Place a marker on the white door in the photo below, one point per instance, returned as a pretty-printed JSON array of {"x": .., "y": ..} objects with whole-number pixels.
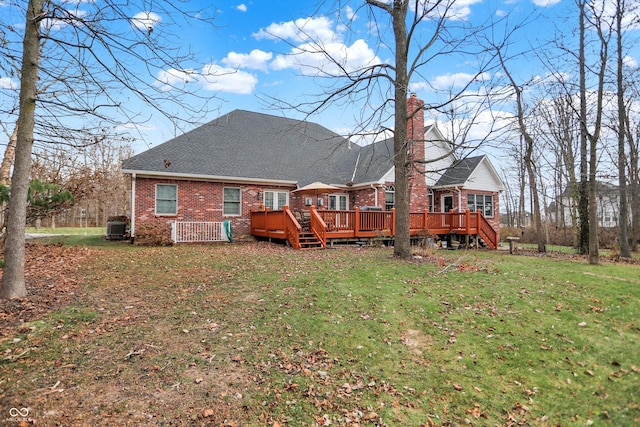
[
  {"x": 338, "y": 202},
  {"x": 276, "y": 200}
]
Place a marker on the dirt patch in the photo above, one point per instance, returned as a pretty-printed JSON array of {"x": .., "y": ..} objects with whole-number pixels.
[
  {"x": 417, "y": 341},
  {"x": 51, "y": 280}
]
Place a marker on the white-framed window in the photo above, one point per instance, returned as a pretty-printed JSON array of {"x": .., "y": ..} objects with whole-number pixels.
[
  {"x": 338, "y": 202},
  {"x": 482, "y": 203},
  {"x": 231, "y": 201},
  {"x": 166, "y": 199},
  {"x": 276, "y": 200},
  {"x": 389, "y": 197}
]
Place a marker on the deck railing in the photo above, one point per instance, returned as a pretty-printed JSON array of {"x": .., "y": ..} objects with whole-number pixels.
[{"x": 335, "y": 224}]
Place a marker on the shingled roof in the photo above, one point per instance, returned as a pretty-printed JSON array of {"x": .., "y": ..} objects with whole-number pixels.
[
  {"x": 253, "y": 146},
  {"x": 245, "y": 146},
  {"x": 459, "y": 172}
]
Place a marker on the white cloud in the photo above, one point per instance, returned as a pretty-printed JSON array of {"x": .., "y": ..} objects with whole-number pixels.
[
  {"x": 55, "y": 24},
  {"x": 630, "y": 61},
  {"x": 125, "y": 127},
  {"x": 224, "y": 79},
  {"x": 459, "y": 10},
  {"x": 501, "y": 13},
  {"x": 242, "y": 7},
  {"x": 311, "y": 59},
  {"x": 301, "y": 30},
  {"x": 545, "y": 3},
  {"x": 256, "y": 59},
  {"x": 457, "y": 80},
  {"x": 349, "y": 13},
  {"x": 7, "y": 83},
  {"x": 212, "y": 77},
  {"x": 172, "y": 78},
  {"x": 462, "y": 9},
  {"x": 145, "y": 21}
]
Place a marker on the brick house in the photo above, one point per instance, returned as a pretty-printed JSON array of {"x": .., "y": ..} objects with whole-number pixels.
[{"x": 245, "y": 161}]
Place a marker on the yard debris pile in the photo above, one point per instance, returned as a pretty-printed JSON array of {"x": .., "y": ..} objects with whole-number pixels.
[{"x": 50, "y": 274}]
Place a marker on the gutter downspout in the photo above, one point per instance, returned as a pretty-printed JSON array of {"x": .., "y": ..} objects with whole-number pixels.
[
  {"x": 459, "y": 198},
  {"x": 132, "y": 228},
  {"x": 375, "y": 194}
]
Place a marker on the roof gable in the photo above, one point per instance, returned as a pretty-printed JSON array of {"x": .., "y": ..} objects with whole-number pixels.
[{"x": 475, "y": 173}]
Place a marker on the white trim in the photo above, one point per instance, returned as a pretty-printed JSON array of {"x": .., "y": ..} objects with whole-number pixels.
[
  {"x": 239, "y": 202},
  {"x": 362, "y": 185},
  {"x": 155, "y": 200},
  {"x": 132, "y": 226},
  {"x": 275, "y": 193},
  {"x": 215, "y": 178},
  {"x": 336, "y": 196}
]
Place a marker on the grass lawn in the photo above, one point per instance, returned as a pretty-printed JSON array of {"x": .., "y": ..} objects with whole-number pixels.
[
  {"x": 262, "y": 335},
  {"x": 75, "y": 231}
]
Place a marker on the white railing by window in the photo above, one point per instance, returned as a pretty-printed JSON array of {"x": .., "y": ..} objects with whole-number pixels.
[{"x": 192, "y": 232}]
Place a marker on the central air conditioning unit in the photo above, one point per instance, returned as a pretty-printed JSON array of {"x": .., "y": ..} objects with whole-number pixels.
[{"x": 116, "y": 230}]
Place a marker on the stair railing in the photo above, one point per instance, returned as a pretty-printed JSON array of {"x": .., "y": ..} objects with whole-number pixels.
[
  {"x": 292, "y": 228},
  {"x": 317, "y": 226}
]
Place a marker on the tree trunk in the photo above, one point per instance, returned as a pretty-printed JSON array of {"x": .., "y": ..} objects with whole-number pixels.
[
  {"x": 634, "y": 184},
  {"x": 529, "y": 162},
  {"x": 402, "y": 244},
  {"x": 535, "y": 197},
  {"x": 9, "y": 156},
  {"x": 522, "y": 178},
  {"x": 623, "y": 235},
  {"x": 583, "y": 189},
  {"x": 13, "y": 283}
]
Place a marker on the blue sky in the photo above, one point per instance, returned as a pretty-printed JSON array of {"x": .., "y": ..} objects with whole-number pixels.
[
  {"x": 247, "y": 52},
  {"x": 247, "y": 57}
]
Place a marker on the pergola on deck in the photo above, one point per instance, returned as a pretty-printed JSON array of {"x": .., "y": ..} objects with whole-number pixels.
[{"x": 326, "y": 226}]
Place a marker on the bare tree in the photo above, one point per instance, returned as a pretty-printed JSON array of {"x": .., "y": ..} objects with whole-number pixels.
[
  {"x": 13, "y": 285},
  {"x": 423, "y": 31},
  {"x": 633, "y": 140},
  {"x": 623, "y": 235},
  {"x": 74, "y": 62},
  {"x": 583, "y": 189},
  {"x": 529, "y": 144},
  {"x": 604, "y": 33}
]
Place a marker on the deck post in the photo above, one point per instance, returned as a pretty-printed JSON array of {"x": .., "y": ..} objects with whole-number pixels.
[
  {"x": 393, "y": 222},
  {"x": 450, "y": 220},
  {"x": 356, "y": 222},
  {"x": 467, "y": 214},
  {"x": 425, "y": 220}
]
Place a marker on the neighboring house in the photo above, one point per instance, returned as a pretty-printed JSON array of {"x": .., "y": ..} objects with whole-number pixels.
[
  {"x": 608, "y": 206},
  {"x": 246, "y": 161}
]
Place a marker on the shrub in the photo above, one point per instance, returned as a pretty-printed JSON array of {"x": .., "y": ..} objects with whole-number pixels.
[{"x": 153, "y": 234}]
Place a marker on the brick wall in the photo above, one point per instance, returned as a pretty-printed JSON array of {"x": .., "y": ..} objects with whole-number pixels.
[
  {"x": 198, "y": 201},
  {"x": 418, "y": 191}
]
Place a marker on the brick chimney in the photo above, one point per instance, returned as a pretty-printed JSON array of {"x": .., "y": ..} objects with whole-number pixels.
[{"x": 418, "y": 197}]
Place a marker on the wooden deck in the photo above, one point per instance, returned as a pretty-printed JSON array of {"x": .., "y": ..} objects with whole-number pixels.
[{"x": 327, "y": 226}]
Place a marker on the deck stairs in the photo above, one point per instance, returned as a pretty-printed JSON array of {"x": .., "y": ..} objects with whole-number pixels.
[{"x": 308, "y": 240}]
